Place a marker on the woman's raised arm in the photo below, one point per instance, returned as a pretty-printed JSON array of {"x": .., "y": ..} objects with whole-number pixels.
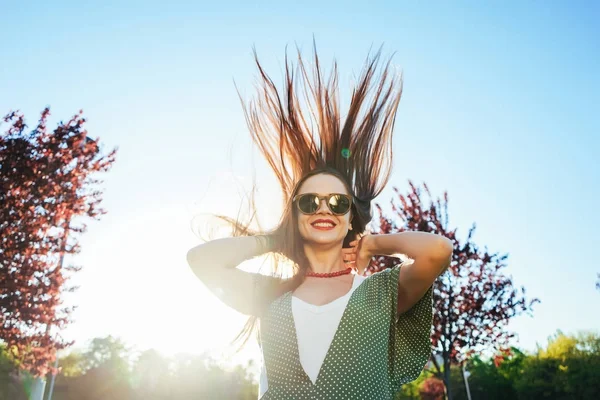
[{"x": 215, "y": 264}]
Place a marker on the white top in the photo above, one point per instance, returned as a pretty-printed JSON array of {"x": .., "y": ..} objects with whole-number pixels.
[{"x": 315, "y": 329}]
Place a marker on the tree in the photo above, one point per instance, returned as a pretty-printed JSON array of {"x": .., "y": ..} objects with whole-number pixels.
[
  {"x": 492, "y": 380},
  {"x": 473, "y": 300},
  {"x": 151, "y": 376},
  {"x": 100, "y": 372},
  {"x": 11, "y": 387},
  {"x": 199, "y": 377},
  {"x": 107, "y": 350},
  {"x": 106, "y": 370},
  {"x": 98, "y": 383},
  {"x": 569, "y": 368},
  {"x": 72, "y": 365},
  {"x": 410, "y": 391},
  {"x": 45, "y": 181},
  {"x": 432, "y": 389}
]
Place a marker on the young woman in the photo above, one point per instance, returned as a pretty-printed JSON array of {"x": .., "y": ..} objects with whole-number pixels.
[{"x": 329, "y": 332}]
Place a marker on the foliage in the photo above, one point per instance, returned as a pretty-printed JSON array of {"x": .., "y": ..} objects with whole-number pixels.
[
  {"x": 11, "y": 386},
  {"x": 45, "y": 181},
  {"x": 569, "y": 368},
  {"x": 489, "y": 380},
  {"x": 107, "y": 369},
  {"x": 432, "y": 389},
  {"x": 474, "y": 300},
  {"x": 411, "y": 390}
]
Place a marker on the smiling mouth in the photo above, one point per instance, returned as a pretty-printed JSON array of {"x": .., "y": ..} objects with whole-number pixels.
[{"x": 323, "y": 225}]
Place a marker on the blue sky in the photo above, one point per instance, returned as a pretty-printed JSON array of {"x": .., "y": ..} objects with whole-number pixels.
[{"x": 500, "y": 108}]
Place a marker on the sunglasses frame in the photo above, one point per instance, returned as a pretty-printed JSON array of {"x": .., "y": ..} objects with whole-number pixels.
[{"x": 326, "y": 197}]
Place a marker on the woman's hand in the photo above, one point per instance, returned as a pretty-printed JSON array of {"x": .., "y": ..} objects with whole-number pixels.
[{"x": 359, "y": 254}]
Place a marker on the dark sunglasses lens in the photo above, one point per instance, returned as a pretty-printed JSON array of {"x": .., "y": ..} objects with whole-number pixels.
[
  {"x": 339, "y": 204},
  {"x": 308, "y": 204}
]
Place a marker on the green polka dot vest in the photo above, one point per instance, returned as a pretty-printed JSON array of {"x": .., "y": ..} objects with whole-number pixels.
[{"x": 374, "y": 350}]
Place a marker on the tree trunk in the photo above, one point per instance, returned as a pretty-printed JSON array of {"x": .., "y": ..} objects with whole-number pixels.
[{"x": 447, "y": 378}]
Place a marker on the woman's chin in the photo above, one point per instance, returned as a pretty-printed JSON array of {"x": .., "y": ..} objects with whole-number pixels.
[{"x": 324, "y": 239}]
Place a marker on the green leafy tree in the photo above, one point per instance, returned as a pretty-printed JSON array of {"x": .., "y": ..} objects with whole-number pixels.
[
  {"x": 491, "y": 381},
  {"x": 105, "y": 370},
  {"x": 569, "y": 368},
  {"x": 198, "y": 377},
  {"x": 72, "y": 365},
  {"x": 11, "y": 379},
  {"x": 100, "y": 372},
  {"x": 410, "y": 391},
  {"x": 152, "y": 377},
  {"x": 107, "y": 350}
]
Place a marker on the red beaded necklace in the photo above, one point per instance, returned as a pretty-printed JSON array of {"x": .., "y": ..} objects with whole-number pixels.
[{"x": 329, "y": 274}]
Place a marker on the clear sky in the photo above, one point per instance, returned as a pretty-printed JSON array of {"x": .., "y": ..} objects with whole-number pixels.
[{"x": 501, "y": 108}]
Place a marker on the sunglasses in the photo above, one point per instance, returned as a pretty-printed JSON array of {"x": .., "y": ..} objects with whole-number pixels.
[{"x": 308, "y": 203}]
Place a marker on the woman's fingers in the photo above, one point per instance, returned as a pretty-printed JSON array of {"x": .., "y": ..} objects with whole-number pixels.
[{"x": 350, "y": 253}]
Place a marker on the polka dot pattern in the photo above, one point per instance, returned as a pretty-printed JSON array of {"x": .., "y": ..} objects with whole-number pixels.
[{"x": 374, "y": 351}]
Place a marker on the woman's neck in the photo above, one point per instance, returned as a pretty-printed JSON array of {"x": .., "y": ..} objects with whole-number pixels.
[{"x": 324, "y": 259}]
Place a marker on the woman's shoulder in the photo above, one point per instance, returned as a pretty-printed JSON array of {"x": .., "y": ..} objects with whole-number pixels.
[
  {"x": 378, "y": 284},
  {"x": 382, "y": 277}
]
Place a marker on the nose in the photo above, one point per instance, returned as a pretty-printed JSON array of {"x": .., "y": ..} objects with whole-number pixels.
[{"x": 323, "y": 207}]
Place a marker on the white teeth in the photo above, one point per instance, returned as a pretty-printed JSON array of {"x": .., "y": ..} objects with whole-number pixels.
[{"x": 324, "y": 225}]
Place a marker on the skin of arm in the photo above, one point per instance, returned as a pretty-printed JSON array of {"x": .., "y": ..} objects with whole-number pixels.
[
  {"x": 215, "y": 262},
  {"x": 431, "y": 254}
]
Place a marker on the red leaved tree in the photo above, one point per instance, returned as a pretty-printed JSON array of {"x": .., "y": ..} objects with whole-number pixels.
[
  {"x": 45, "y": 182},
  {"x": 432, "y": 389},
  {"x": 473, "y": 300}
]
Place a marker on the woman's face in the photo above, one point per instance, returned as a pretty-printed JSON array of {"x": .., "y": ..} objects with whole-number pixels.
[{"x": 336, "y": 226}]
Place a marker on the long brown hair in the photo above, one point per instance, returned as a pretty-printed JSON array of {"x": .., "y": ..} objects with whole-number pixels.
[{"x": 300, "y": 140}]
